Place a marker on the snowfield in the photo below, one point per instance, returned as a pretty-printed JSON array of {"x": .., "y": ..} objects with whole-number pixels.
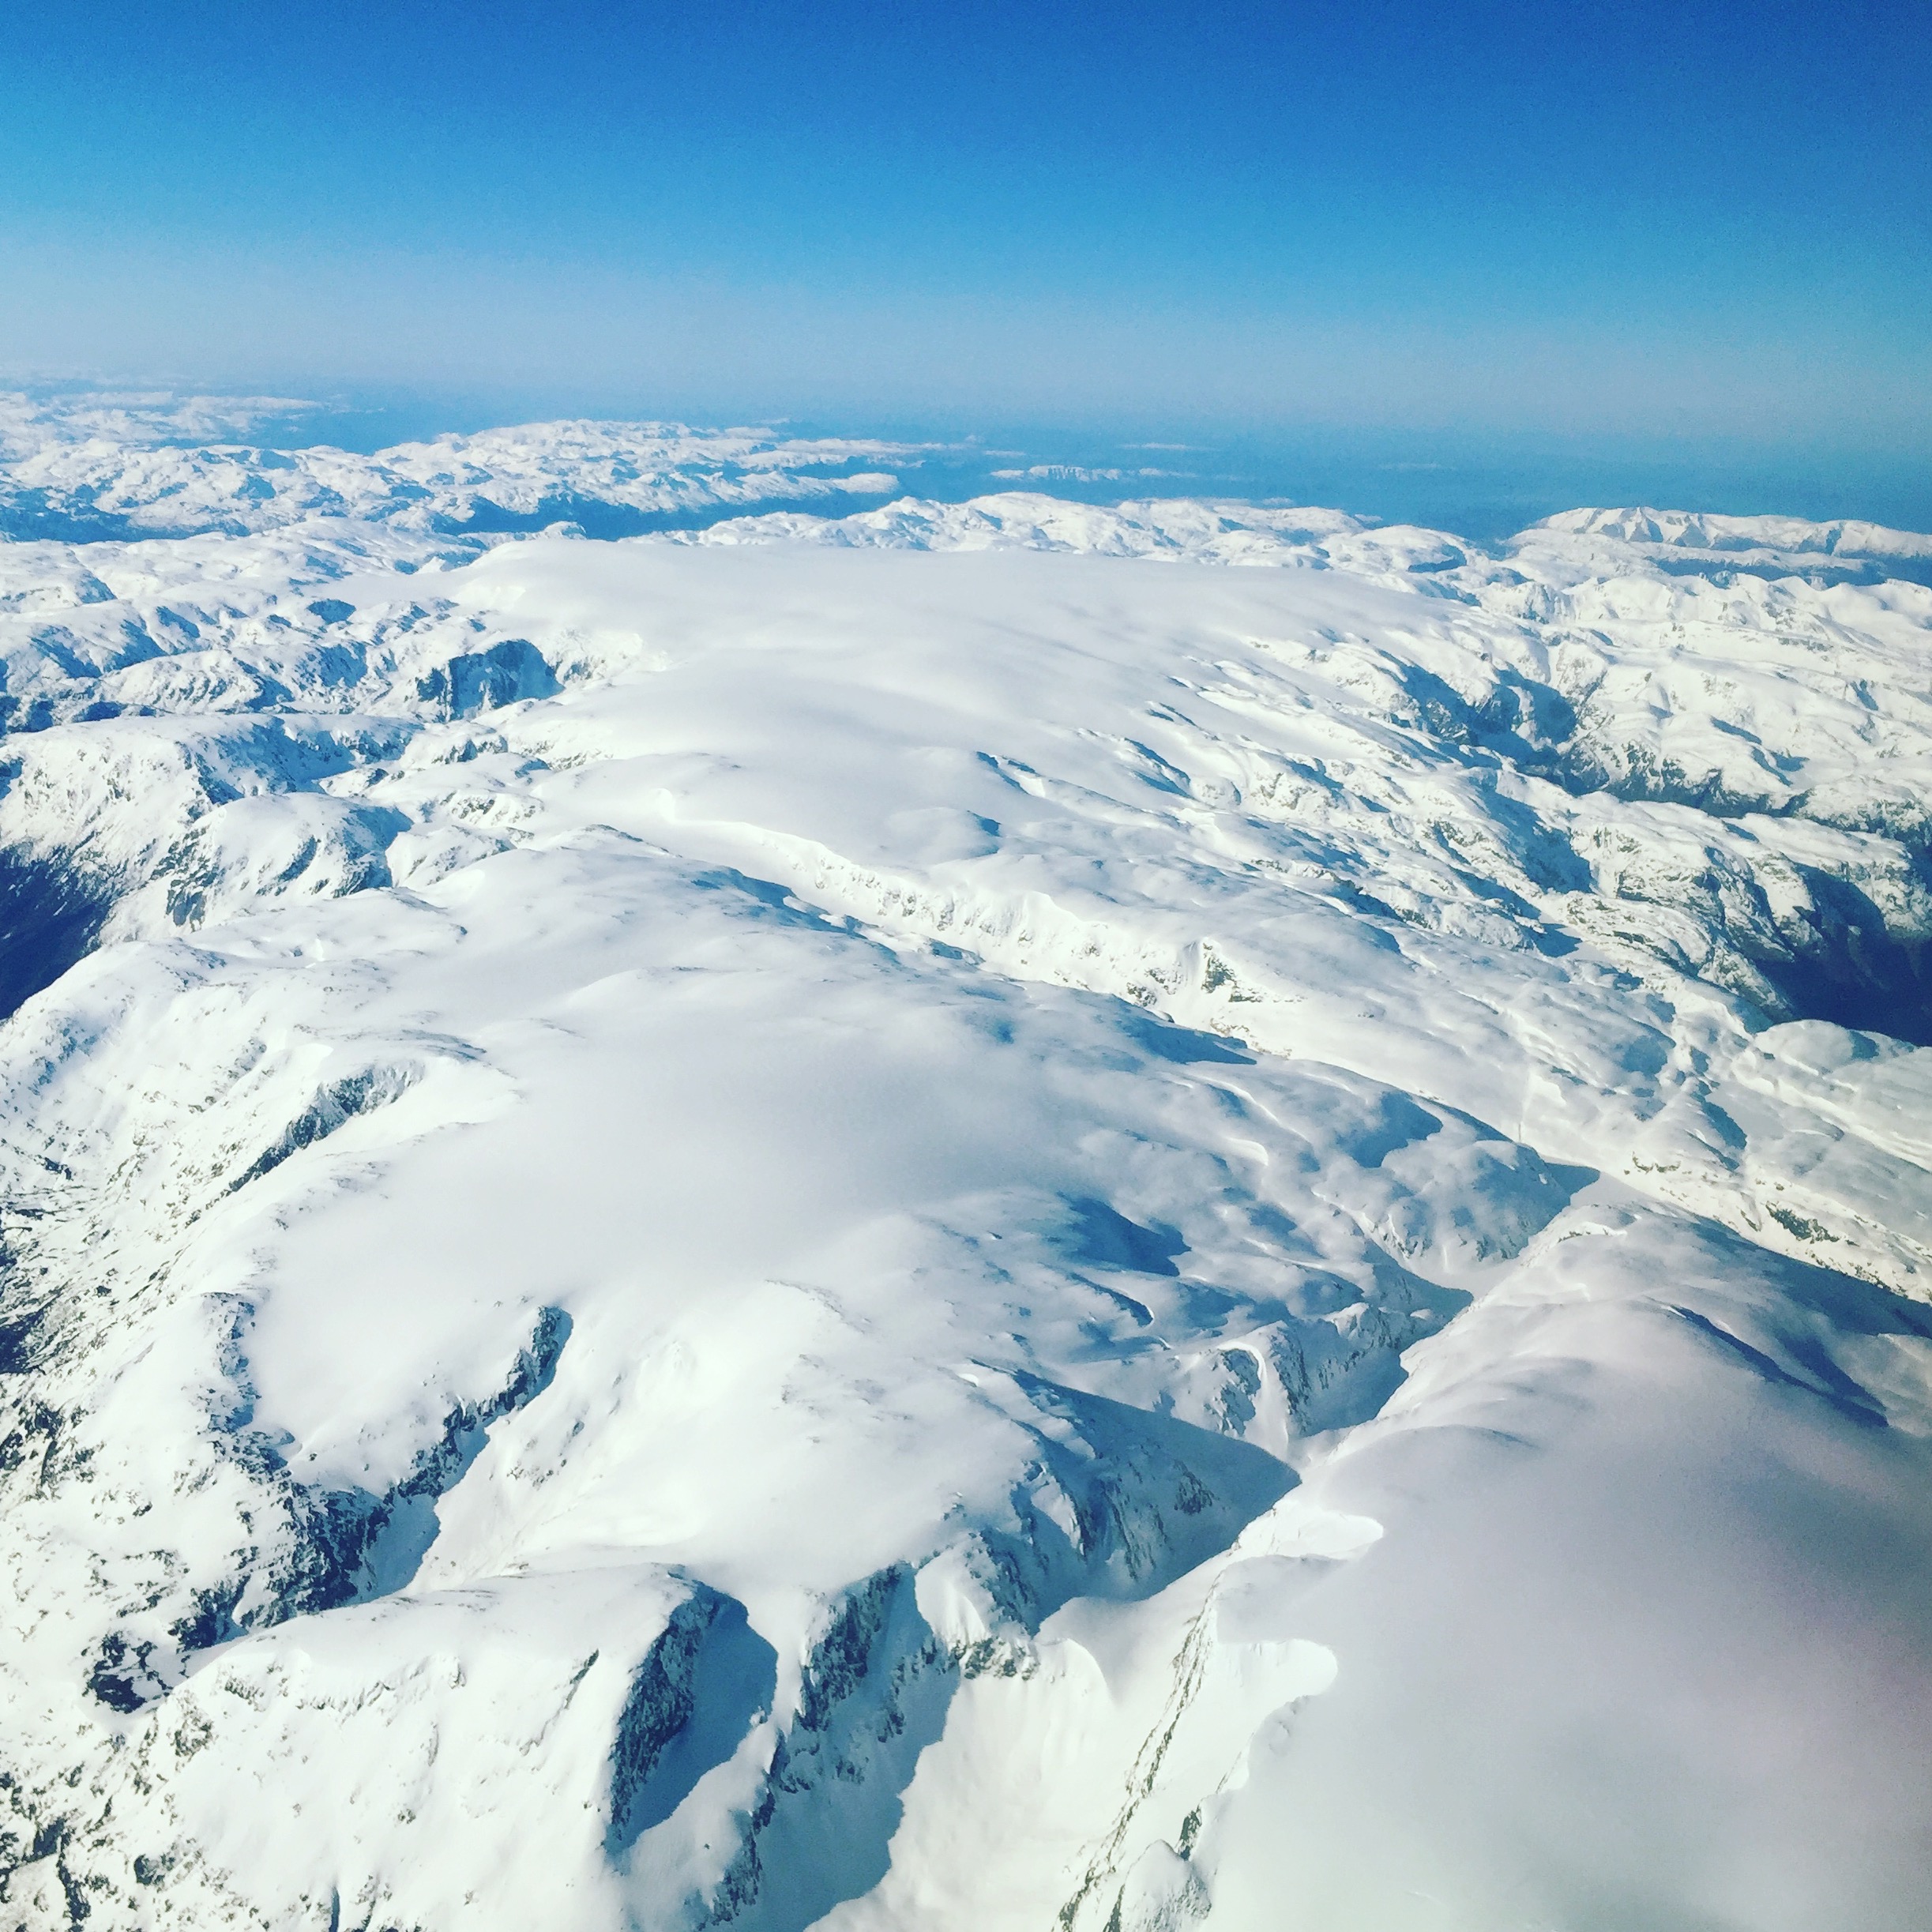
[{"x": 967, "y": 1216}]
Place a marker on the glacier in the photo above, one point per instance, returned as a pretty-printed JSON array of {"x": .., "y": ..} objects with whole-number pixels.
[{"x": 719, "y": 1210}]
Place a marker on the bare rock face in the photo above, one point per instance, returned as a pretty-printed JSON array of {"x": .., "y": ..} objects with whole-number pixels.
[{"x": 992, "y": 1214}]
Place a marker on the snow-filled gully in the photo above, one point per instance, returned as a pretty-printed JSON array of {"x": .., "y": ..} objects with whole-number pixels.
[{"x": 976, "y": 1215}]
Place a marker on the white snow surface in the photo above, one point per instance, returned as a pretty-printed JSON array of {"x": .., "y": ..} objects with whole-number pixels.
[
  {"x": 952, "y": 1218},
  {"x": 143, "y": 465}
]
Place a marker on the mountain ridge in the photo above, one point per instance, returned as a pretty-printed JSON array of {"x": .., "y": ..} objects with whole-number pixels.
[{"x": 996, "y": 1213}]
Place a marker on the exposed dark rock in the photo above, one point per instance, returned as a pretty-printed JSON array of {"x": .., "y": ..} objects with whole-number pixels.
[
  {"x": 51, "y": 913},
  {"x": 483, "y": 680},
  {"x": 334, "y": 1106}
]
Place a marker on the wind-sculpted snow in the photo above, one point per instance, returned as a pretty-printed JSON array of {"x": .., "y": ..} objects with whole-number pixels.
[{"x": 956, "y": 1217}]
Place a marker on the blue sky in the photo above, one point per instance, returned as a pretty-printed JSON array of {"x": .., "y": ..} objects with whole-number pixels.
[{"x": 1657, "y": 221}]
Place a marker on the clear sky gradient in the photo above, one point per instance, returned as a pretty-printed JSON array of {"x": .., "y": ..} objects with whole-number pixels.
[{"x": 1683, "y": 220}]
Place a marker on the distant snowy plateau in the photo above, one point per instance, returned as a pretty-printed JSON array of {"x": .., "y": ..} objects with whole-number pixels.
[{"x": 964, "y": 1216}]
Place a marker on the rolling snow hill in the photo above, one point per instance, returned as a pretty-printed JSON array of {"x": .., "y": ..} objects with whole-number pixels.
[{"x": 971, "y": 1215}]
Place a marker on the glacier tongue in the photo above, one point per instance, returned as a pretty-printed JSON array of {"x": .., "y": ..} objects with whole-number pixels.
[{"x": 977, "y": 1215}]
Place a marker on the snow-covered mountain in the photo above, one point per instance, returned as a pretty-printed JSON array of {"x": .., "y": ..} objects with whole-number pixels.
[
  {"x": 975, "y": 1215},
  {"x": 142, "y": 466}
]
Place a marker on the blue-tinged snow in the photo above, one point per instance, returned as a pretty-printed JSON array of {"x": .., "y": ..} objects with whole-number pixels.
[{"x": 1005, "y": 1214}]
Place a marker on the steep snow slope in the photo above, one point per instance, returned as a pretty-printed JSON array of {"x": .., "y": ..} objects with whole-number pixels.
[{"x": 954, "y": 1218}]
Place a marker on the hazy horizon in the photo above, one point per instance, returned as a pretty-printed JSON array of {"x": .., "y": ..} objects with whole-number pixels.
[{"x": 1481, "y": 486}]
